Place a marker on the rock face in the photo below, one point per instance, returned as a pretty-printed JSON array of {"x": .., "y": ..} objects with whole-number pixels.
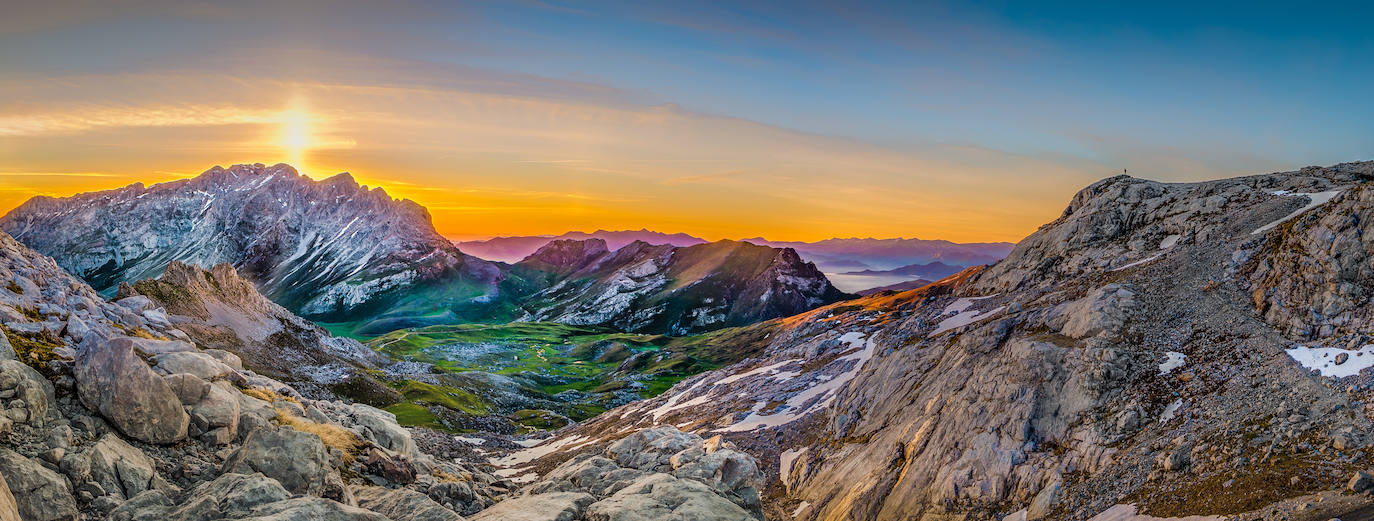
[
  {"x": 666, "y": 289},
  {"x": 1313, "y": 277},
  {"x": 40, "y": 494},
  {"x": 403, "y": 505},
  {"x": 295, "y": 459},
  {"x": 658, "y": 473},
  {"x": 113, "y": 381},
  {"x": 225, "y": 313},
  {"x": 320, "y": 248}
]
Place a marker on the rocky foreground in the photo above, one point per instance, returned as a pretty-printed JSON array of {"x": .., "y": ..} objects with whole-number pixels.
[
  {"x": 1161, "y": 349},
  {"x": 113, "y": 411}
]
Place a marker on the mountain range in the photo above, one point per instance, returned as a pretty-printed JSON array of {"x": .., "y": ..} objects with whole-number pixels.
[
  {"x": 513, "y": 249},
  {"x": 348, "y": 255},
  {"x": 831, "y": 255}
]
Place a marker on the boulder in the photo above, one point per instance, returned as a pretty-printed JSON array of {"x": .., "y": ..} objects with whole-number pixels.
[
  {"x": 1103, "y": 309},
  {"x": 121, "y": 469},
  {"x": 136, "y": 303},
  {"x": 6, "y": 350},
  {"x": 1043, "y": 503},
  {"x": 114, "y": 382},
  {"x": 558, "y": 506},
  {"x": 403, "y": 505},
  {"x": 40, "y": 494},
  {"x": 651, "y": 449},
  {"x": 381, "y": 428},
  {"x": 230, "y": 359},
  {"x": 298, "y": 460},
  {"x": 32, "y": 388},
  {"x": 1359, "y": 482},
  {"x": 152, "y": 347},
  {"x": 201, "y": 365},
  {"x": 190, "y": 389},
  {"x": 660, "y": 496},
  {"x": 219, "y": 409}
]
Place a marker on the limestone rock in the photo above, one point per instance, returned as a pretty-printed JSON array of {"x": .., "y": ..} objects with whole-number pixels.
[
  {"x": 116, "y": 383},
  {"x": 403, "y": 505},
  {"x": 557, "y": 506},
  {"x": 40, "y": 494},
  {"x": 119, "y": 468},
  {"x": 296, "y": 459}
]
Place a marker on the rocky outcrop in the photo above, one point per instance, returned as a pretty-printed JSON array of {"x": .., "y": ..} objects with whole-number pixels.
[
  {"x": 295, "y": 459},
  {"x": 120, "y": 469},
  {"x": 658, "y": 473},
  {"x": 112, "y": 380},
  {"x": 1313, "y": 277},
  {"x": 40, "y": 494},
  {"x": 403, "y": 505}
]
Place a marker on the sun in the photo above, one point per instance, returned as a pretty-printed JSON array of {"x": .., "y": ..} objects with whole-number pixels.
[{"x": 296, "y": 139}]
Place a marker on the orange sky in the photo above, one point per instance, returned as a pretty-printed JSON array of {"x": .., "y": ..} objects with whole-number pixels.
[
  {"x": 523, "y": 118},
  {"x": 490, "y": 164}
]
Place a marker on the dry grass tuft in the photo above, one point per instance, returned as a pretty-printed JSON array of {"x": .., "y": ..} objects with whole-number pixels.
[
  {"x": 445, "y": 477},
  {"x": 268, "y": 396},
  {"x": 333, "y": 436}
]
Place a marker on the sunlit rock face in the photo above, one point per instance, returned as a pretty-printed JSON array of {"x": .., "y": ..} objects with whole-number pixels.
[{"x": 320, "y": 248}]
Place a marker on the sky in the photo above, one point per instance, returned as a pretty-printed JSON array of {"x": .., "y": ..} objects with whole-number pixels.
[{"x": 967, "y": 121}]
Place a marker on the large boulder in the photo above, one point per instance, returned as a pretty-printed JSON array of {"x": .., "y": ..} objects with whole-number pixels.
[
  {"x": 651, "y": 449},
  {"x": 660, "y": 496},
  {"x": 35, "y": 391},
  {"x": 113, "y": 381},
  {"x": 403, "y": 505},
  {"x": 297, "y": 460},
  {"x": 557, "y": 506},
  {"x": 121, "y": 469},
  {"x": 381, "y": 428},
  {"x": 40, "y": 494}
]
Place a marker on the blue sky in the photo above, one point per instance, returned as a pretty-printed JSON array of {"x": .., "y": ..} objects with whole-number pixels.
[{"x": 964, "y": 120}]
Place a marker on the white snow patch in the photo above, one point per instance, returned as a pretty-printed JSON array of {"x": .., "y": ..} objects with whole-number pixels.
[
  {"x": 1323, "y": 359},
  {"x": 470, "y": 441},
  {"x": 1137, "y": 263},
  {"x": 767, "y": 369},
  {"x": 1170, "y": 411},
  {"x": 1172, "y": 360},
  {"x": 1128, "y": 513},
  {"x": 960, "y": 318},
  {"x": 1315, "y": 200},
  {"x": 792, "y": 409},
  {"x": 537, "y": 451},
  {"x": 800, "y": 508},
  {"x": 1169, "y": 241}
]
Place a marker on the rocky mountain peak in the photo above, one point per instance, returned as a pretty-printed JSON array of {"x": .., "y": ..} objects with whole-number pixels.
[
  {"x": 317, "y": 247},
  {"x": 566, "y": 255}
]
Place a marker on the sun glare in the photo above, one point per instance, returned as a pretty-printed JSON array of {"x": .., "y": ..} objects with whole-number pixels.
[{"x": 295, "y": 134}]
